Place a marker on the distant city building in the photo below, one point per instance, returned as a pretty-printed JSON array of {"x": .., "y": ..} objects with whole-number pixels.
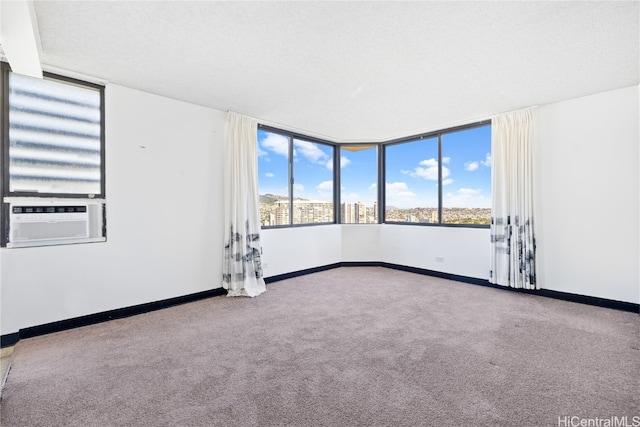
[
  {"x": 375, "y": 212},
  {"x": 355, "y": 213},
  {"x": 282, "y": 212},
  {"x": 361, "y": 213},
  {"x": 309, "y": 211},
  {"x": 347, "y": 213},
  {"x": 304, "y": 212}
]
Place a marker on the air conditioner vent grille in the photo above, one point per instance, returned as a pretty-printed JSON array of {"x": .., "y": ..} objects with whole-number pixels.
[{"x": 47, "y": 230}]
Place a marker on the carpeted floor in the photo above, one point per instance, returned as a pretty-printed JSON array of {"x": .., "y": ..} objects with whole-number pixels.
[{"x": 351, "y": 346}]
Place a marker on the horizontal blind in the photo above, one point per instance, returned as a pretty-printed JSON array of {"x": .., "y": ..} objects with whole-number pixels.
[{"x": 54, "y": 137}]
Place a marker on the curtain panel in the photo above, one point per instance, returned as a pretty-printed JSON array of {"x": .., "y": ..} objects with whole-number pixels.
[
  {"x": 513, "y": 248},
  {"x": 242, "y": 267}
]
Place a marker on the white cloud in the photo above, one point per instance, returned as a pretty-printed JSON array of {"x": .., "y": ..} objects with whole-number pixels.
[
  {"x": 487, "y": 160},
  {"x": 447, "y": 181},
  {"x": 343, "y": 162},
  {"x": 261, "y": 152},
  {"x": 467, "y": 198},
  {"x": 278, "y": 144},
  {"x": 395, "y": 190},
  {"x": 428, "y": 169},
  {"x": 469, "y": 192},
  {"x": 429, "y": 163},
  {"x": 325, "y": 186},
  {"x": 373, "y": 187},
  {"x": 269, "y": 175},
  {"x": 471, "y": 166},
  {"x": 308, "y": 150},
  {"x": 298, "y": 187},
  {"x": 350, "y": 198}
]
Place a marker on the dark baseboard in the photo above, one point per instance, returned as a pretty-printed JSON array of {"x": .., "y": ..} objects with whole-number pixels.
[
  {"x": 584, "y": 299},
  {"x": 298, "y": 273},
  {"x": 565, "y": 296},
  {"x": 91, "y": 319},
  {"x": 11, "y": 339},
  {"x": 440, "y": 274}
]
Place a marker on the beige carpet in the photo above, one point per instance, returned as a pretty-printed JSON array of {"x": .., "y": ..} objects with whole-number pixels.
[{"x": 351, "y": 346}]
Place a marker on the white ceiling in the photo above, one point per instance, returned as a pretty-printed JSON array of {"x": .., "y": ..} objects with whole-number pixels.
[{"x": 350, "y": 71}]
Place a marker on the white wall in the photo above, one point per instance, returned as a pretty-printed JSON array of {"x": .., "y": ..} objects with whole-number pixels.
[
  {"x": 361, "y": 242},
  {"x": 164, "y": 219},
  {"x": 286, "y": 250},
  {"x": 465, "y": 250},
  {"x": 587, "y": 193}
]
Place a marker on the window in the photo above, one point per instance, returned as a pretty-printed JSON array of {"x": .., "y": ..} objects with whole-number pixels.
[
  {"x": 466, "y": 192},
  {"x": 53, "y": 160},
  {"x": 358, "y": 184},
  {"x": 411, "y": 187},
  {"x": 297, "y": 169},
  {"x": 55, "y": 138},
  {"x": 273, "y": 181},
  {"x": 440, "y": 178}
]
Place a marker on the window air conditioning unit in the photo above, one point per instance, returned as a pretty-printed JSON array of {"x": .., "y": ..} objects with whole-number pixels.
[{"x": 42, "y": 222}]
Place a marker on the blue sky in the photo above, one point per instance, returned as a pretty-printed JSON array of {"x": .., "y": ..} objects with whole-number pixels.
[
  {"x": 313, "y": 165},
  {"x": 411, "y": 170}
]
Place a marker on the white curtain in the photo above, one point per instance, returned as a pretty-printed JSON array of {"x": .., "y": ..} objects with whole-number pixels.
[
  {"x": 513, "y": 250},
  {"x": 242, "y": 268}
]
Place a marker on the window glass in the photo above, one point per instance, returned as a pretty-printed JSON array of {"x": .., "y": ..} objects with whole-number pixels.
[
  {"x": 306, "y": 177},
  {"x": 411, "y": 175},
  {"x": 55, "y": 141},
  {"x": 273, "y": 182},
  {"x": 358, "y": 181},
  {"x": 466, "y": 195},
  {"x": 312, "y": 182}
]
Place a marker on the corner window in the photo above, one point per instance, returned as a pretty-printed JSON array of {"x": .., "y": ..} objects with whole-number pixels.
[{"x": 439, "y": 178}]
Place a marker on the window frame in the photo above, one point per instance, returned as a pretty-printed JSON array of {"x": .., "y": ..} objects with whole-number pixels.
[
  {"x": 435, "y": 134},
  {"x": 381, "y": 171},
  {"x": 4, "y": 151},
  {"x": 291, "y": 136}
]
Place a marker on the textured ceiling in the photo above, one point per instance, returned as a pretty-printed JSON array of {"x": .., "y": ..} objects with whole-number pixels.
[{"x": 350, "y": 71}]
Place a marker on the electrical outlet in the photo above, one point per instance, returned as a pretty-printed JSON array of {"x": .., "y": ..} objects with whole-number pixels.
[{"x": 439, "y": 259}]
